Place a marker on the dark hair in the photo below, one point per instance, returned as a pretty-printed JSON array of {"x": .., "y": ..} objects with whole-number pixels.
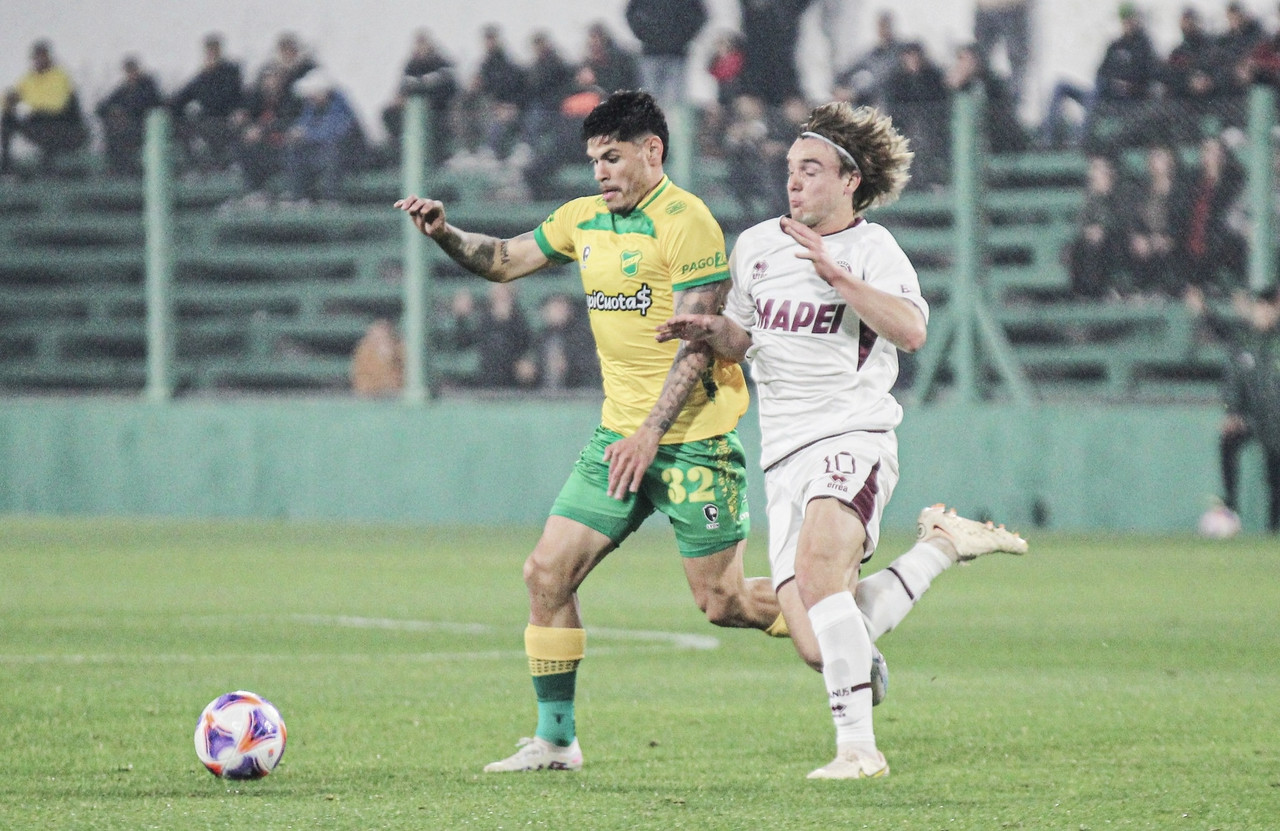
[{"x": 627, "y": 115}]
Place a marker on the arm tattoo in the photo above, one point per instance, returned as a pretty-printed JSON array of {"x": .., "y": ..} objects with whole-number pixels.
[
  {"x": 693, "y": 362},
  {"x": 474, "y": 254}
]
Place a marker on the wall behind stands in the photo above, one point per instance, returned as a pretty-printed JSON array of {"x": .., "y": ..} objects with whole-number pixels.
[
  {"x": 365, "y": 44},
  {"x": 1082, "y": 467}
]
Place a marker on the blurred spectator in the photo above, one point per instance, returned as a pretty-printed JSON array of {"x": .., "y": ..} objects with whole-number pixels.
[
  {"x": 1005, "y": 24},
  {"x": 430, "y": 74},
  {"x": 500, "y": 88},
  {"x": 1130, "y": 65},
  {"x": 665, "y": 28},
  {"x": 550, "y": 79},
  {"x": 1237, "y": 43},
  {"x": 43, "y": 109},
  {"x": 725, "y": 66},
  {"x": 614, "y": 68},
  {"x": 863, "y": 83},
  {"x": 1193, "y": 69},
  {"x": 1155, "y": 209},
  {"x": 290, "y": 61},
  {"x": 1097, "y": 251},
  {"x": 1251, "y": 390},
  {"x": 202, "y": 109},
  {"x": 916, "y": 96},
  {"x": 970, "y": 73},
  {"x": 124, "y": 117},
  {"x": 563, "y": 355},
  {"x": 1127, "y": 74},
  {"x": 1262, "y": 66},
  {"x": 264, "y": 124},
  {"x": 771, "y": 32},
  {"x": 756, "y": 154},
  {"x": 377, "y": 364},
  {"x": 323, "y": 143},
  {"x": 1213, "y": 247},
  {"x": 499, "y": 333}
]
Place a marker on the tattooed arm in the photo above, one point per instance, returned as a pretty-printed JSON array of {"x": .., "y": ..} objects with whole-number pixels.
[
  {"x": 630, "y": 457},
  {"x": 496, "y": 260}
]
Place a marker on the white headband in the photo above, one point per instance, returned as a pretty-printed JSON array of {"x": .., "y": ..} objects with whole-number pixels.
[{"x": 840, "y": 151}]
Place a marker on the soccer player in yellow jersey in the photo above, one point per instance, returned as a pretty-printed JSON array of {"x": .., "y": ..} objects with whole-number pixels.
[{"x": 646, "y": 250}]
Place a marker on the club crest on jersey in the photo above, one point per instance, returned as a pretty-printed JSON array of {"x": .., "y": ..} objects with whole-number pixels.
[
  {"x": 712, "y": 513},
  {"x": 598, "y": 301},
  {"x": 631, "y": 263}
]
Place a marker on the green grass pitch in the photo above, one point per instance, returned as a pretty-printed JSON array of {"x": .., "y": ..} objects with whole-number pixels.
[{"x": 1101, "y": 682}]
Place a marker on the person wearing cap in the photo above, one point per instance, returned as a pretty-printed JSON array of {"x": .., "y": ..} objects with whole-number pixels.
[
  {"x": 322, "y": 143},
  {"x": 42, "y": 108},
  {"x": 821, "y": 303}
]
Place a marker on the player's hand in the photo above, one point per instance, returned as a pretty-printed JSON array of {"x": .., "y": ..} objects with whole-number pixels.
[
  {"x": 628, "y": 460},
  {"x": 427, "y": 214},
  {"x": 814, "y": 251},
  {"x": 689, "y": 327}
]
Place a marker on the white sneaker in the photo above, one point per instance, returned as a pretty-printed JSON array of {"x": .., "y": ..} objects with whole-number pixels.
[
  {"x": 539, "y": 754},
  {"x": 971, "y": 539},
  {"x": 853, "y": 764},
  {"x": 879, "y": 677}
]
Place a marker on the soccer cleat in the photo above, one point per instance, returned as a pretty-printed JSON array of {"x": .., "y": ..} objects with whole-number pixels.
[
  {"x": 970, "y": 539},
  {"x": 852, "y": 764},
  {"x": 879, "y": 677},
  {"x": 539, "y": 754}
]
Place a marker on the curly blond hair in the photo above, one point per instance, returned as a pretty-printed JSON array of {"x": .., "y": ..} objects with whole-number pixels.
[{"x": 882, "y": 153}]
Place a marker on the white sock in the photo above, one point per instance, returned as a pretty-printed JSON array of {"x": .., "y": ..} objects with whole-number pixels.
[
  {"x": 846, "y": 666},
  {"x": 885, "y": 597}
]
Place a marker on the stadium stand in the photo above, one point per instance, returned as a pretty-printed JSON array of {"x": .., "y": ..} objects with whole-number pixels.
[{"x": 275, "y": 300}]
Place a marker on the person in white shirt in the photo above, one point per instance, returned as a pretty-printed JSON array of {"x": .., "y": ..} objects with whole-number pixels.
[{"x": 822, "y": 300}]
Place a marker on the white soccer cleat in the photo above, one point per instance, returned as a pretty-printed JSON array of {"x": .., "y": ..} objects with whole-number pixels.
[
  {"x": 539, "y": 754},
  {"x": 971, "y": 539},
  {"x": 879, "y": 677},
  {"x": 853, "y": 764}
]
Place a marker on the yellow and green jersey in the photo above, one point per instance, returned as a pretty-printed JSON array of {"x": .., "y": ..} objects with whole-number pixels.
[{"x": 631, "y": 265}]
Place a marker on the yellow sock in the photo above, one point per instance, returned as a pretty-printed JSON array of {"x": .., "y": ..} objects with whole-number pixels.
[{"x": 778, "y": 629}]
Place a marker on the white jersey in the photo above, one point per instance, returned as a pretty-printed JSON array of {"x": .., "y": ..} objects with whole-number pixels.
[{"x": 819, "y": 371}]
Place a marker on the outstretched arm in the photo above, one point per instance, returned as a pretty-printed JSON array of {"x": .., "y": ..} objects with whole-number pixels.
[
  {"x": 496, "y": 260},
  {"x": 630, "y": 457}
]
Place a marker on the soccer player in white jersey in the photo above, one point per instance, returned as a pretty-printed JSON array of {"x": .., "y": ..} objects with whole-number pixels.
[{"x": 822, "y": 300}]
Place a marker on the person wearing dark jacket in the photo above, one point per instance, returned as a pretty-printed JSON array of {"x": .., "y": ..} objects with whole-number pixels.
[
  {"x": 203, "y": 108},
  {"x": 665, "y": 28},
  {"x": 1251, "y": 390},
  {"x": 124, "y": 116}
]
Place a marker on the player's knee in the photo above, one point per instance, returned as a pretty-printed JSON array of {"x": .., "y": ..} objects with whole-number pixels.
[{"x": 540, "y": 579}]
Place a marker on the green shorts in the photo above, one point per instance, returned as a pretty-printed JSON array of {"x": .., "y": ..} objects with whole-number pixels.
[{"x": 700, "y": 485}]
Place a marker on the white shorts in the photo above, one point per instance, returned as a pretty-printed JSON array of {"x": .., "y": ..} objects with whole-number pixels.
[{"x": 860, "y": 469}]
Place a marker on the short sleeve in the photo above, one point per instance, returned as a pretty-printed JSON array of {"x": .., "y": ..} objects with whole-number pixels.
[
  {"x": 555, "y": 236},
  {"x": 694, "y": 247}
]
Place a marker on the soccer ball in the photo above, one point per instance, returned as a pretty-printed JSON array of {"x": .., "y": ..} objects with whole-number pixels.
[
  {"x": 240, "y": 735},
  {"x": 1219, "y": 523}
]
